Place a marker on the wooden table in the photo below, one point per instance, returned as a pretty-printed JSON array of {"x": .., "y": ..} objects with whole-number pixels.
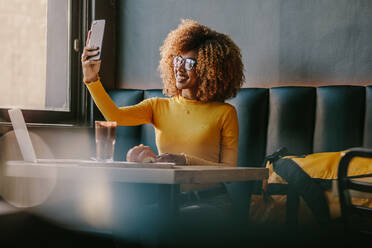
[
  {"x": 138, "y": 173},
  {"x": 168, "y": 178}
]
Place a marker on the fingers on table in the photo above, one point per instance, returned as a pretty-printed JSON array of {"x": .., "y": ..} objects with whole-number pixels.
[
  {"x": 165, "y": 157},
  {"x": 171, "y": 158}
]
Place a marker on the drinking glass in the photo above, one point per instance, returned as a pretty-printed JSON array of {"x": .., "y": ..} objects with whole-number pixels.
[{"x": 105, "y": 140}]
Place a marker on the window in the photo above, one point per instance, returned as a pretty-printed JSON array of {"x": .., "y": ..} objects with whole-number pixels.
[
  {"x": 40, "y": 65},
  {"x": 24, "y": 36}
]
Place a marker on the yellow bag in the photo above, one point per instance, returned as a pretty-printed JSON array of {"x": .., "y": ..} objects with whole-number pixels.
[{"x": 311, "y": 176}]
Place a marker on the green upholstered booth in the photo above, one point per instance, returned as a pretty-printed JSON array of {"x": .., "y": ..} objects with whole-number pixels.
[{"x": 302, "y": 119}]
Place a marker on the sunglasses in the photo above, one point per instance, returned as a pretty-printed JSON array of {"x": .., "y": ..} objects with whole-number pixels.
[{"x": 189, "y": 63}]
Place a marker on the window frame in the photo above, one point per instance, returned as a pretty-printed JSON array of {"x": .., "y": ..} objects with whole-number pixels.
[{"x": 80, "y": 15}]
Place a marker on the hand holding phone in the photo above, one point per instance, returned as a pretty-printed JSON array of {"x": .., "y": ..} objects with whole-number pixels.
[
  {"x": 96, "y": 37},
  {"x": 90, "y": 58}
]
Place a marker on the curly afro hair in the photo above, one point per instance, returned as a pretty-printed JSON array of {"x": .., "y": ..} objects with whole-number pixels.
[{"x": 219, "y": 64}]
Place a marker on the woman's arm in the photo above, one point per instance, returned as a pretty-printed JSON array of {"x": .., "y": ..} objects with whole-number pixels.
[
  {"x": 125, "y": 116},
  {"x": 192, "y": 160}
]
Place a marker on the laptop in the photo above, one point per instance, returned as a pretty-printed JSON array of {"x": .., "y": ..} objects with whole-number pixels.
[{"x": 29, "y": 155}]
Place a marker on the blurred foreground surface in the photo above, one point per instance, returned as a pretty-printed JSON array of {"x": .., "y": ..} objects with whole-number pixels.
[{"x": 24, "y": 229}]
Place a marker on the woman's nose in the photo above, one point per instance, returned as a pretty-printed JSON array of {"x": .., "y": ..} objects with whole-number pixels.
[{"x": 182, "y": 67}]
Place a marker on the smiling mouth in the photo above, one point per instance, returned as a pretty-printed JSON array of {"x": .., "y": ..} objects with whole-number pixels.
[{"x": 181, "y": 78}]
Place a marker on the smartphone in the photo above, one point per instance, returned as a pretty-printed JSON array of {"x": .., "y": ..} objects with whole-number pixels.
[{"x": 96, "y": 37}]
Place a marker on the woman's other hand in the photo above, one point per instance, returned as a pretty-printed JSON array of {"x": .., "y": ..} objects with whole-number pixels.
[
  {"x": 171, "y": 158},
  {"x": 141, "y": 153},
  {"x": 90, "y": 67}
]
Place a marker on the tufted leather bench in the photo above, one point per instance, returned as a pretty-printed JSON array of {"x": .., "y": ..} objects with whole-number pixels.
[{"x": 302, "y": 119}]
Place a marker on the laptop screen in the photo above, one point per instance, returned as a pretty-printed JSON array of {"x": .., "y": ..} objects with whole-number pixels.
[{"x": 22, "y": 135}]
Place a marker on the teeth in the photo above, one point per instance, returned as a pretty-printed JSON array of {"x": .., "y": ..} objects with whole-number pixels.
[{"x": 181, "y": 78}]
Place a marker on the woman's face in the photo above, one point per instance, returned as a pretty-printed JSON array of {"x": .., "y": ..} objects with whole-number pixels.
[{"x": 184, "y": 66}]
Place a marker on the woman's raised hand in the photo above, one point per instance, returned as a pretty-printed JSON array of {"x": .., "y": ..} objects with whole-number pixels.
[{"x": 90, "y": 67}]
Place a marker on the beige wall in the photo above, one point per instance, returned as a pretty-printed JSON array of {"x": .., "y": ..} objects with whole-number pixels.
[{"x": 23, "y": 25}]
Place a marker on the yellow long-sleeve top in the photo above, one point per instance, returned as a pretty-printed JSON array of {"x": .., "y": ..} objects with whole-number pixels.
[{"x": 206, "y": 133}]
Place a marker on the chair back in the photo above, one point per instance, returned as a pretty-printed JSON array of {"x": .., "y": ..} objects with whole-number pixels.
[{"x": 357, "y": 219}]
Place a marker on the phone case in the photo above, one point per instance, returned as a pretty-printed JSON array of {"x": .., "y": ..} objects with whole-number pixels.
[{"x": 96, "y": 37}]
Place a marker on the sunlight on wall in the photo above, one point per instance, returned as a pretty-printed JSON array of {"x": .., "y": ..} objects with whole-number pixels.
[{"x": 23, "y": 39}]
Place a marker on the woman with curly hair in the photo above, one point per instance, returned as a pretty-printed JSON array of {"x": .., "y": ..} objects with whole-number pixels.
[{"x": 200, "y": 68}]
